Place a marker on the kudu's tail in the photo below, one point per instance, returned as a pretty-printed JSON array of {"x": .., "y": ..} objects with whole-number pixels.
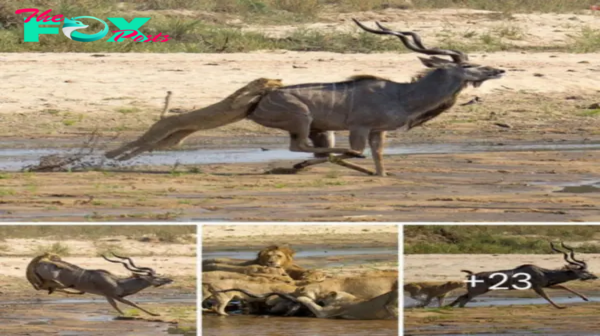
[
  {"x": 467, "y": 271},
  {"x": 172, "y": 130}
]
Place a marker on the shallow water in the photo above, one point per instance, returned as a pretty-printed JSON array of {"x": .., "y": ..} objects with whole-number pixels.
[
  {"x": 578, "y": 187},
  {"x": 303, "y": 254},
  {"x": 16, "y": 159},
  {"x": 277, "y": 326},
  {"x": 483, "y": 301}
]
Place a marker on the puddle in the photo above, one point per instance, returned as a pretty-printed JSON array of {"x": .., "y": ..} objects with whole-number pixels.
[
  {"x": 271, "y": 326},
  {"x": 497, "y": 302},
  {"x": 580, "y": 187},
  {"x": 40, "y": 322},
  {"x": 302, "y": 254},
  {"x": 97, "y": 318},
  {"x": 16, "y": 159}
]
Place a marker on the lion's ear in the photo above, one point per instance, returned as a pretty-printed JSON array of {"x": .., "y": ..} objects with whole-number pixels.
[{"x": 288, "y": 250}]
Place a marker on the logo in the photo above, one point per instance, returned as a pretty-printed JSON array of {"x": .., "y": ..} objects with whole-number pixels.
[{"x": 33, "y": 28}]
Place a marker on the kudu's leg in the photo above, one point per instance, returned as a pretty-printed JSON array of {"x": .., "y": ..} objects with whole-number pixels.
[
  {"x": 569, "y": 290},
  {"x": 114, "y": 305},
  {"x": 424, "y": 303},
  {"x": 67, "y": 292},
  {"x": 441, "y": 300},
  {"x": 377, "y": 142},
  {"x": 461, "y": 300},
  {"x": 322, "y": 140},
  {"x": 358, "y": 142},
  {"x": 320, "y": 312},
  {"x": 299, "y": 142},
  {"x": 127, "y": 302},
  {"x": 540, "y": 292}
]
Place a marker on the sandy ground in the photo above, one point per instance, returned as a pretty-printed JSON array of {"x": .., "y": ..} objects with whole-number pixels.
[
  {"x": 460, "y": 24},
  {"x": 20, "y": 247},
  {"x": 120, "y": 92}
]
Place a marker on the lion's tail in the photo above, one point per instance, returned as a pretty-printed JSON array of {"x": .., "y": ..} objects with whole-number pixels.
[{"x": 170, "y": 131}]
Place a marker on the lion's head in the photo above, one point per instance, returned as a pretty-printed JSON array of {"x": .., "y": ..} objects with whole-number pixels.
[
  {"x": 337, "y": 297},
  {"x": 276, "y": 256}
]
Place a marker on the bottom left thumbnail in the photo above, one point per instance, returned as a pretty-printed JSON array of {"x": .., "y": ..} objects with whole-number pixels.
[{"x": 98, "y": 280}]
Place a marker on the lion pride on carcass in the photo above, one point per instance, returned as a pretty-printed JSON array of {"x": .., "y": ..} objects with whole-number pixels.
[{"x": 274, "y": 270}]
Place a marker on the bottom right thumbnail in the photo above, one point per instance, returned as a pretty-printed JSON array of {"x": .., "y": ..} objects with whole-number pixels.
[{"x": 501, "y": 279}]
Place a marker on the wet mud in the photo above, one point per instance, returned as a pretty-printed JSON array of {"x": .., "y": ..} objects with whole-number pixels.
[
  {"x": 272, "y": 326},
  {"x": 507, "y": 313},
  {"x": 537, "y": 186},
  {"x": 15, "y": 159},
  {"x": 89, "y": 317}
]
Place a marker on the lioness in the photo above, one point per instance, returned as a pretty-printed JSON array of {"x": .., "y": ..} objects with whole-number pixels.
[
  {"x": 273, "y": 273},
  {"x": 344, "y": 305},
  {"x": 272, "y": 256},
  {"x": 38, "y": 283},
  {"x": 363, "y": 287},
  {"x": 213, "y": 282},
  {"x": 431, "y": 290}
]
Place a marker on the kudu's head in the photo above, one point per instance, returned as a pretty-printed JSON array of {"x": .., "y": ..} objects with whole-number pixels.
[
  {"x": 459, "y": 66},
  {"x": 145, "y": 273},
  {"x": 578, "y": 267}
]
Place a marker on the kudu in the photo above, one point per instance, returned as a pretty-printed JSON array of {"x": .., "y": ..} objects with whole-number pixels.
[
  {"x": 538, "y": 278},
  {"x": 367, "y": 106},
  {"x": 100, "y": 282}
]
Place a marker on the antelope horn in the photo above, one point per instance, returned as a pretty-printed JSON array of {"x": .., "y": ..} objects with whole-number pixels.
[
  {"x": 123, "y": 263},
  {"x": 559, "y": 251},
  {"x": 147, "y": 269},
  {"x": 417, "y": 46},
  {"x": 581, "y": 262}
]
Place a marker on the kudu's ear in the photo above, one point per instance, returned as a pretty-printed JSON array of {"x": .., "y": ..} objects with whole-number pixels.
[{"x": 434, "y": 62}]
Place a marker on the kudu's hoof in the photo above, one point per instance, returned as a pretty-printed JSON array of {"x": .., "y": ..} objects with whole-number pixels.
[{"x": 355, "y": 154}]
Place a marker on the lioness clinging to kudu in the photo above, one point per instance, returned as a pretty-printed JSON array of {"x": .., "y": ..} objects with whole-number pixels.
[
  {"x": 424, "y": 292},
  {"x": 172, "y": 130}
]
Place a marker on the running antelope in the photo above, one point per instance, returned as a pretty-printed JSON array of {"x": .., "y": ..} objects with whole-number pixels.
[
  {"x": 368, "y": 106},
  {"x": 59, "y": 275},
  {"x": 531, "y": 276}
]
